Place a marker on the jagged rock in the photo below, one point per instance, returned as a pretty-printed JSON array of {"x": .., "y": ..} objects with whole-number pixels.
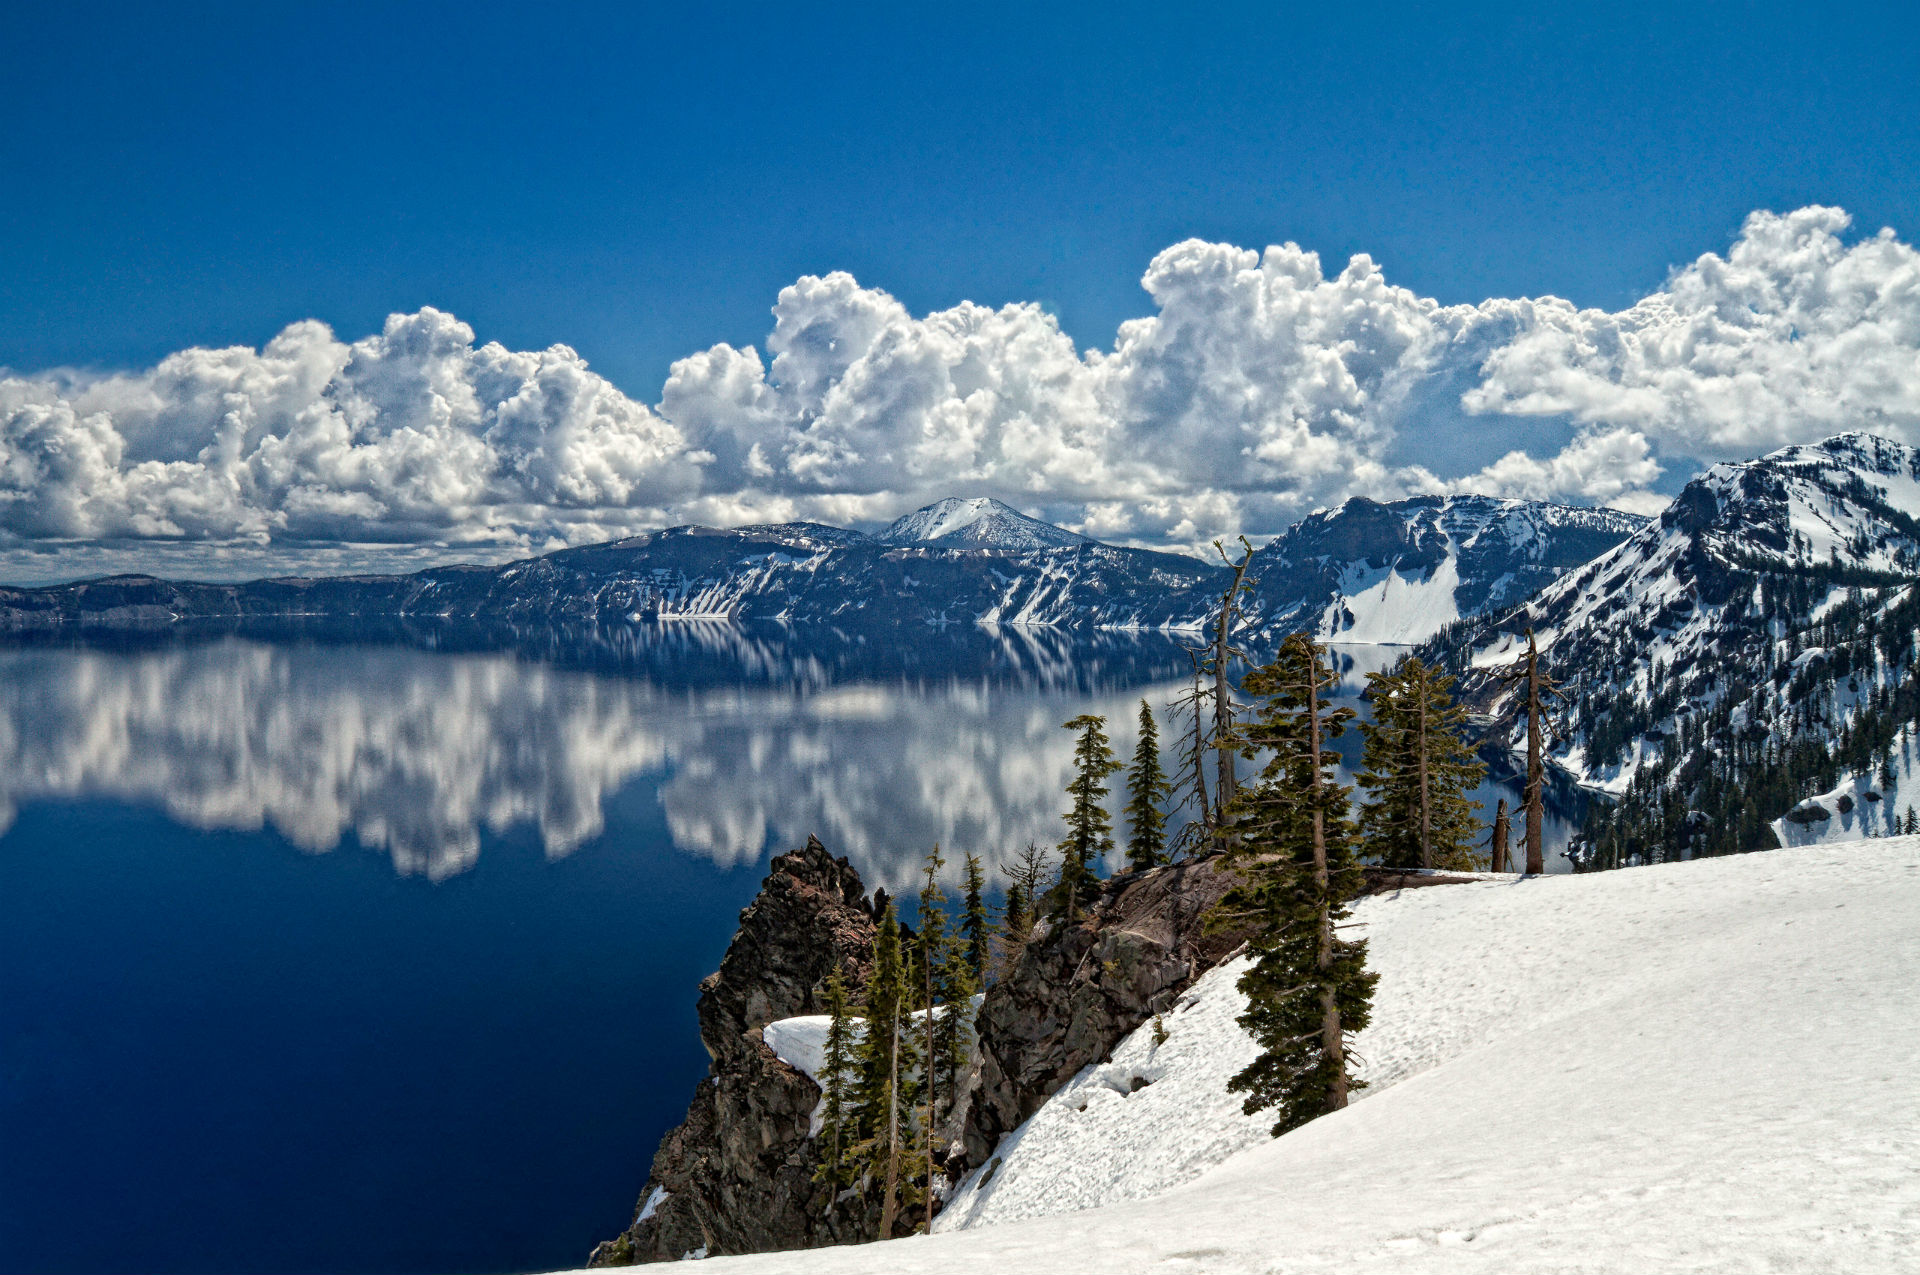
[
  {"x": 1078, "y": 989},
  {"x": 737, "y": 1175}
]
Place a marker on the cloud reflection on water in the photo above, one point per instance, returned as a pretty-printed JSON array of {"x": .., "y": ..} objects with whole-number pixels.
[{"x": 415, "y": 752}]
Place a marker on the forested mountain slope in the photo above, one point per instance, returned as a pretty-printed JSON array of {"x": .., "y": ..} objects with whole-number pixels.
[{"x": 1741, "y": 653}]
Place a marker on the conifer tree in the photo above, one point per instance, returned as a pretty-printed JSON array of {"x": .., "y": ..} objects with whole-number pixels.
[
  {"x": 836, "y": 1085},
  {"x": 974, "y": 924},
  {"x": 1221, "y": 656},
  {"x": 1419, "y": 771},
  {"x": 1292, "y": 842},
  {"x": 885, "y": 1062},
  {"x": 1028, "y": 877},
  {"x": 1147, "y": 789},
  {"x": 935, "y": 959},
  {"x": 1089, "y": 836}
]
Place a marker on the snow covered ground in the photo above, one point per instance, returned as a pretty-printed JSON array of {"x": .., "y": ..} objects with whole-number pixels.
[{"x": 1699, "y": 1066}]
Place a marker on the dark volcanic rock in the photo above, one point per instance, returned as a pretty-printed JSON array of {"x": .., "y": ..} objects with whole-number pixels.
[
  {"x": 1078, "y": 989},
  {"x": 737, "y": 1175}
]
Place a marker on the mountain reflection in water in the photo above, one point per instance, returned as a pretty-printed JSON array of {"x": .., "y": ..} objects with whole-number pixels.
[{"x": 881, "y": 744}]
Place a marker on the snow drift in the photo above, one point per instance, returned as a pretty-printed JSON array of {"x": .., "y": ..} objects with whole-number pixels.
[{"x": 1695, "y": 1066}]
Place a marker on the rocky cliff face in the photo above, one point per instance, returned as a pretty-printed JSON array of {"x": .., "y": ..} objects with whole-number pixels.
[
  {"x": 737, "y": 1176},
  {"x": 1077, "y": 990}
]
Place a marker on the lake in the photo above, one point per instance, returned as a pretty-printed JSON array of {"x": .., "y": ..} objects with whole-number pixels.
[{"x": 377, "y": 951}]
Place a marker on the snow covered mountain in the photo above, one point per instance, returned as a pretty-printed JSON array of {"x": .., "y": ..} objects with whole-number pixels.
[
  {"x": 1748, "y": 649},
  {"x": 981, "y": 523},
  {"x": 1400, "y": 572},
  {"x": 1362, "y": 573}
]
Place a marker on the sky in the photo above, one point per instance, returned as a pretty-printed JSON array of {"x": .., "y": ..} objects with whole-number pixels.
[{"x": 303, "y": 288}]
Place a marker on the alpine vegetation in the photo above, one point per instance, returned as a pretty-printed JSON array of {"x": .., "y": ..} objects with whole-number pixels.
[
  {"x": 1089, "y": 836},
  {"x": 1292, "y": 837},
  {"x": 1419, "y": 770},
  {"x": 1147, "y": 792}
]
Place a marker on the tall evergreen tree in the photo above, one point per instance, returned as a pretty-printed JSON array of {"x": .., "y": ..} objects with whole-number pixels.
[
  {"x": 1292, "y": 842},
  {"x": 836, "y": 1086},
  {"x": 1089, "y": 836},
  {"x": 974, "y": 923},
  {"x": 1221, "y": 656},
  {"x": 1419, "y": 772},
  {"x": 885, "y": 1061},
  {"x": 1147, "y": 791}
]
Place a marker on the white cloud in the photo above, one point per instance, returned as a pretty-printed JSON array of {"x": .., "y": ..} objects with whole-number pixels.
[
  {"x": 1792, "y": 336},
  {"x": 1259, "y": 388}
]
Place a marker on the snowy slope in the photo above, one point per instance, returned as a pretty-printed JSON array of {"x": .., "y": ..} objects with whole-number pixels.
[
  {"x": 1690, "y": 607},
  {"x": 1735, "y": 1095},
  {"x": 1400, "y": 572},
  {"x": 980, "y": 523}
]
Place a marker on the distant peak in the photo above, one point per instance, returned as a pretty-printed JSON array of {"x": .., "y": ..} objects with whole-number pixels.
[{"x": 978, "y": 522}]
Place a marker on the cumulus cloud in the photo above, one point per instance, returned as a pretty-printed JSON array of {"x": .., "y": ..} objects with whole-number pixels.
[
  {"x": 1793, "y": 335},
  {"x": 1259, "y": 387},
  {"x": 414, "y": 435}
]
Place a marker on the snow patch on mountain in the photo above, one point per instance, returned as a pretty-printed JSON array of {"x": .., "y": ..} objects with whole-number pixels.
[
  {"x": 980, "y": 523},
  {"x": 1383, "y": 606},
  {"x": 1400, "y": 572},
  {"x": 1665, "y": 617},
  {"x": 1859, "y": 806}
]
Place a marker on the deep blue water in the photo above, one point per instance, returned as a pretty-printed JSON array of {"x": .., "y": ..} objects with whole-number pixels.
[
  {"x": 221, "y": 1054},
  {"x": 335, "y": 956}
]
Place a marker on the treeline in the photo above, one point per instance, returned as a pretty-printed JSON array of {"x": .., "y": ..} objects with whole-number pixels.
[
  {"x": 1253, "y": 782},
  {"x": 1730, "y": 750}
]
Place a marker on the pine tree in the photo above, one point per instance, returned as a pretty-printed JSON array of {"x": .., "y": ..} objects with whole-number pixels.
[
  {"x": 933, "y": 957},
  {"x": 1089, "y": 836},
  {"x": 836, "y": 1085},
  {"x": 1028, "y": 877},
  {"x": 1220, "y": 660},
  {"x": 974, "y": 924},
  {"x": 1294, "y": 849},
  {"x": 935, "y": 961},
  {"x": 1147, "y": 790},
  {"x": 1419, "y": 771},
  {"x": 885, "y": 1062}
]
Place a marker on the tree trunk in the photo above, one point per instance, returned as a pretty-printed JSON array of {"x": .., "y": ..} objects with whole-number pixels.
[
  {"x": 1426, "y": 815},
  {"x": 1224, "y": 781},
  {"x": 1502, "y": 834},
  {"x": 1332, "y": 1039},
  {"x": 932, "y": 1093},
  {"x": 1536, "y": 771},
  {"x": 1200, "y": 756},
  {"x": 890, "y": 1204}
]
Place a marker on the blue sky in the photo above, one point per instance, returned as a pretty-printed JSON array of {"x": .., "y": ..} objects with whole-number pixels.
[{"x": 640, "y": 182}]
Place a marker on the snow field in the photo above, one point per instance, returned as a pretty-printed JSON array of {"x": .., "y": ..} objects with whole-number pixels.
[{"x": 1699, "y": 1066}]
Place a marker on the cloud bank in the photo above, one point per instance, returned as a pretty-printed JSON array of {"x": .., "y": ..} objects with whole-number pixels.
[{"x": 1260, "y": 388}]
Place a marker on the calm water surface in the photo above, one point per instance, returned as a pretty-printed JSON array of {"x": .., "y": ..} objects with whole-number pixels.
[{"x": 354, "y": 956}]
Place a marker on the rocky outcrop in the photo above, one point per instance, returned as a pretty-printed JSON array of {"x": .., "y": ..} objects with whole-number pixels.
[
  {"x": 737, "y": 1175},
  {"x": 1077, "y": 990}
]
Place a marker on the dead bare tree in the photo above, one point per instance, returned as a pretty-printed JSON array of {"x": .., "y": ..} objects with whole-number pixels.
[{"x": 1539, "y": 687}]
